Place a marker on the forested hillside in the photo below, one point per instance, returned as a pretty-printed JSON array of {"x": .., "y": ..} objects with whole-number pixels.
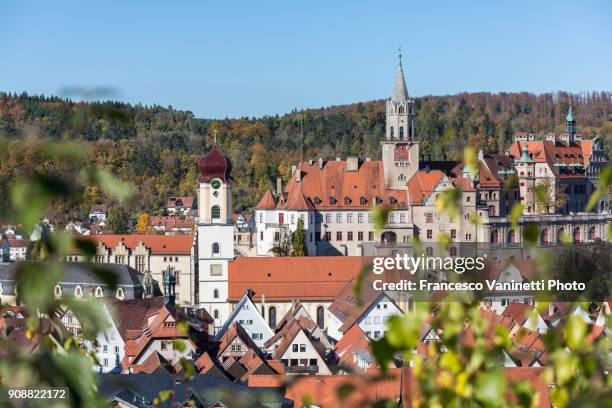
[{"x": 157, "y": 149}]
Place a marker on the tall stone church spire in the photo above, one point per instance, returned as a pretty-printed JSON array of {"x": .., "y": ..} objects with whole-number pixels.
[
  {"x": 400, "y": 91},
  {"x": 400, "y": 147}
]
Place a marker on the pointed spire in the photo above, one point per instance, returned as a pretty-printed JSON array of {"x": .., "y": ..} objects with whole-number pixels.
[
  {"x": 400, "y": 91},
  {"x": 570, "y": 113}
]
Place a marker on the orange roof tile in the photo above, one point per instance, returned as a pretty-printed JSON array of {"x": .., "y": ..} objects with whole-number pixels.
[
  {"x": 287, "y": 278},
  {"x": 267, "y": 201},
  {"x": 159, "y": 244},
  {"x": 422, "y": 185}
]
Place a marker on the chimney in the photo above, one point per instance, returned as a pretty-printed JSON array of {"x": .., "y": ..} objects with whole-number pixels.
[
  {"x": 293, "y": 169},
  {"x": 338, "y": 158},
  {"x": 368, "y": 159},
  {"x": 279, "y": 186},
  {"x": 480, "y": 155},
  {"x": 352, "y": 163},
  {"x": 320, "y": 162},
  {"x": 310, "y": 162},
  {"x": 263, "y": 305}
]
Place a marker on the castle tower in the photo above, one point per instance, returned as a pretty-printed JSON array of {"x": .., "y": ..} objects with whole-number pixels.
[
  {"x": 400, "y": 146},
  {"x": 525, "y": 168},
  {"x": 570, "y": 124},
  {"x": 215, "y": 233}
]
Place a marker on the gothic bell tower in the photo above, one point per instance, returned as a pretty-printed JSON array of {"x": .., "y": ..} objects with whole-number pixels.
[
  {"x": 400, "y": 146},
  {"x": 215, "y": 233}
]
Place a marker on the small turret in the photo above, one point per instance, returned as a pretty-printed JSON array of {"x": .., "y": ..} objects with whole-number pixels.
[
  {"x": 169, "y": 283},
  {"x": 570, "y": 124}
]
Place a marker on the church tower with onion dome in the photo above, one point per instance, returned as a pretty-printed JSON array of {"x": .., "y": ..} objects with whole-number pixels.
[
  {"x": 215, "y": 233},
  {"x": 400, "y": 146}
]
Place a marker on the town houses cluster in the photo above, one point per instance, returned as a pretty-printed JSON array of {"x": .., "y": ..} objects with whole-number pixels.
[{"x": 253, "y": 318}]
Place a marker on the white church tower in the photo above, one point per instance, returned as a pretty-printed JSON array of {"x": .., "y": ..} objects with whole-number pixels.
[
  {"x": 215, "y": 233},
  {"x": 400, "y": 146}
]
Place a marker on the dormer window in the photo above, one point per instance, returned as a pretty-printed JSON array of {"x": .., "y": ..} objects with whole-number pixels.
[
  {"x": 347, "y": 201},
  {"x": 332, "y": 200},
  {"x": 317, "y": 201},
  {"x": 57, "y": 291},
  {"x": 363, "y": 201},
  {"x": 120, "y": 294},
  {"x": 78, "y": 291},
  {"x": 392, "y": 200},
  {"x": 99, "y": 292},
  {"x": 378, "y": 200}
]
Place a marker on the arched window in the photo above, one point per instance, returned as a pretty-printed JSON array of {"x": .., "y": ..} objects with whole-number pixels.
[
  {"x": 57, "y": 291},
  {"x": 78, "y": 291},
  {"x": 215, "y": 212},
  {"x": 363, "y": 201},
  {"x": 215, "y": 248},
  {"x": 592, "y": 234},
  {"x": 120, "y": 294},
  {"x": 494, "y": 236},
  {"x": 321, "y": 317},
  {"x": 560, "y": 234},
  {"x": 99, "y": 292},
  {"x": 378, "y": 200},
  {"x": 429, "y": 251},
  {"x": 511, "y": 236},
  {"x": 400, "y": 111},
  {"x": 544, "y": 236},
  {"x": 216, "y": 293},
  {"x": 401, "y": 132},
  {"x": 347, "y": 200},
  {"x": 317, "y": 201},
  {"x": 215, "y": 314},
  {"x": 576, "y": 234},
  {"x": 491, "y": 211},
  {"x": 272, "y": 317},
  {"x": 332, "y": 200},
  {"x": 392, "y": 134},
  {"x": 392, "y": 200}
]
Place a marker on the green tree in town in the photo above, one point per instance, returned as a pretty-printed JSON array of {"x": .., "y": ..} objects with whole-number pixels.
[
  {"x": 118, "y": 220},
  {"x": 299, "y": 239}
]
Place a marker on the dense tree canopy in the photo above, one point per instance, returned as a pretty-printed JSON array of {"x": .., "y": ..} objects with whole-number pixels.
[{"x": 157, "y": 149}]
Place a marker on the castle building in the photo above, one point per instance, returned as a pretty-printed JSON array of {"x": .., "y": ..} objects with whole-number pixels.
[{"x": 334, "y": 198}]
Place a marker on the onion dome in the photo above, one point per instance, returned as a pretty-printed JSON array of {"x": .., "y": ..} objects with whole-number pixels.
[{"x": 215, "y": 164}]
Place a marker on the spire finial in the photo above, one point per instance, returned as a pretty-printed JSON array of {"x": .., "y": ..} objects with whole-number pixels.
[
  {"x": 215, "y": 136},
  {"x": 399, "y": 50}
]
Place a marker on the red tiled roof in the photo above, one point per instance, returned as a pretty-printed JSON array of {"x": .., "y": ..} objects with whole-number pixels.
[
  {"x": 18, "y": 243},
  {"x": 236, "y": 330},
  {"x": 333, "y": 180},
  {"x": 158, "y": 244},
  {"x": 422, "y": 185},
  {"x": 519, "y": 312},
  {"x": 131, "y": 314},
  {"x": 550, "y": 152},
  {"x": 267, "y": 202},
  {"x": 304, "y": 278},
  {"x": 346, "y": 308},
  {"x": 183, "y": 202}
]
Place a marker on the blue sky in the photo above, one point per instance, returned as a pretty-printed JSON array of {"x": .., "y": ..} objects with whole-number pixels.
[{"x": 234, "y": 58}]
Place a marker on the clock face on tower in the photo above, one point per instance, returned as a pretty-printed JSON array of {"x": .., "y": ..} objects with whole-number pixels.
[
  {"x": 402, "y": 153},
  {"x": 215, "y": 184}
]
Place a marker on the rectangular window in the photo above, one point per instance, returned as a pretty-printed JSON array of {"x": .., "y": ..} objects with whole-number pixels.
[
  {"x": 338, "y": 218},
  {"x": 292, "y": 218},
  {"x": 392, "y": 218},
  {"x": 328, "y": 218},
  {"x": 369, "y": 218},
  {"x": 403, "y": 218},
  {"x": 281, "y": 218},
  {"x": 453, "y": 234},
  {"x": 140, "y": 263},
  {"x": 294, "y": 347},
  {"x": 99, "y": 258},
  {"x": 328, "y": 236},
  {"x": 349, "y": 236},
  {"x": 105, "y": 348},
  {"x": 429, "y": 218},
  {"x": 371, "y": 236},
  {"x": 116, "y": 349},
  {"x": 277, "y": 236},
  {"x": 360, "y": 236},
  {"x": 429, "y": 234},
  {"x": 360, "y": 218},
  {"x": 260, "y": 217},
  {"x": 349, "y": 217},
  {"x": 257, "y": 336},
  {"x": 216, "y": 270},
  {"x": 119, "y": 259},
  {"x": 339, "y": 236},
  {"x": 261, "y": 235},
  {"x": 302, "y": 348},
  {"x": 319, "y": 218}
]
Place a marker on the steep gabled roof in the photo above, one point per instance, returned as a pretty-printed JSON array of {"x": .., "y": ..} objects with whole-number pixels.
[
  {"x": 422, "y": 184},
  {"x": 519, "y": 312},
  {"x": 267, "y": 201},
  {"x": 158, "y": 244},
  {"x": 236, "y": 330}
]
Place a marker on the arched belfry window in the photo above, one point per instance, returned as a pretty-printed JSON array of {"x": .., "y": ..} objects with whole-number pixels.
[
  {"x": 401, "y": 110},
  {"x": 401, "y": 132},
  {"x": 392, "y": 135},
  {"x": 215, "y": 212}
]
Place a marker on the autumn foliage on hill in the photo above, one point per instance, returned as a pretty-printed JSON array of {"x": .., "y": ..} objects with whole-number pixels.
[{"x": 156, "y": 149}]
